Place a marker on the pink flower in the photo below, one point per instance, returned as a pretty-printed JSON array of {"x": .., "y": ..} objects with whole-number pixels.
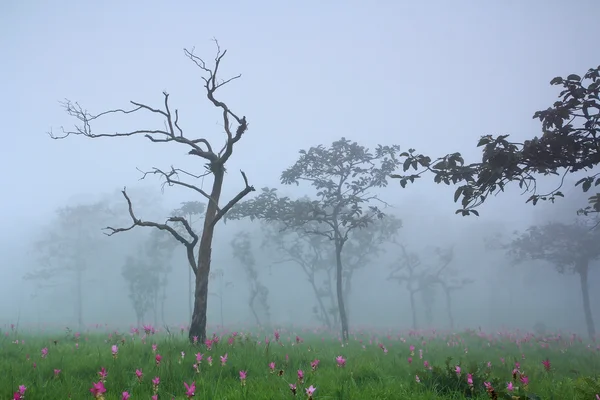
[
  {"x": 314, "y": 364},
  {"x": 243, "y": 375},
  {"x": 409, "y": 359},
  {"x": 199, "y": 357},
  {"x": 154, "y": 347},
  {"x": 341, "y": 361},
  {"x": 125, "y": 396},
  {"x": 158, "y": 359},
  {"x": 98, "y": 389},
  {"x": 470, "y": 379},
  {"x": 272, "y": 367},
  {"x": 547, "y": 365},
  {"x": 300, "y": 376},
  {"x": 44, "y": 352},
  {"x": 139, "y": 374},
  {"x": 190, "y": 389},
  {"x": 417, "y": 379},
  {"x": 56, "y": 373},
  {"x": 310, "y": 390},
  {"x": 224, "y": 359},
  {"x": 293, "y": 388},
  {"x": 102, "y": 374},
  {"x": 209, "y": 360},
  {"x": 510, "y": 387},
  {"x": 277, "y": 336},
  {"x": 20, "y": 394},
  {"x": 457, "y": 370}
]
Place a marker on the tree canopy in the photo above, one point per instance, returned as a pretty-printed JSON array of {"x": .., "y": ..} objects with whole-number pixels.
[{"x": 569, "y": 143}]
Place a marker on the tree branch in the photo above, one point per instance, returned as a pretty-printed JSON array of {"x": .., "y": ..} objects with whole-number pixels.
[
  {"x": 164, "y": 227},
  {"x": 247, "y": 189},
  {"x": 172, "y": 182}
]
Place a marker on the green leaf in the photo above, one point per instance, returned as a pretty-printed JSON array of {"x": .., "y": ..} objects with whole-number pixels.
[
  {"x": 586, "y": 185},
  {"x": 406, "y": 164},
  {"x": 573, "y": 77},
  {"x": 475, "y": 212},
  {"x": 457, "y": 193}
]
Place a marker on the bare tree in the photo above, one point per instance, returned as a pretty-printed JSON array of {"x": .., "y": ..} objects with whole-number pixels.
[{"x": 200, "y": 147}]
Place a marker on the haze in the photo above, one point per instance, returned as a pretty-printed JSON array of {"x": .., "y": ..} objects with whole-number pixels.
[{"x": 433, "y": 76}]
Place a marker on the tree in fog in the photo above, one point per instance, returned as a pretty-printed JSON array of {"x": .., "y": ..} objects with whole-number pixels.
[
  {"x": 570, "y": 143},
  {"x": 448, "y": 279},
  {"x": 258, "y": 301},
  {"x": 308, "y": 252},
  {"x": 147, "y": 273},
  {"x": 192, "y": 212},
  {"x": 344, "y": 177},
  {"x": 570, "y": 248},
  {"x": 72, "y": 243},
  {"x": 198, "y": 245},
  {"x": 408, "y": 270}
]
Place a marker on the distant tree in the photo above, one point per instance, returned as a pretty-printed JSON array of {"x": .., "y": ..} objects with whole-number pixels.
[
  {"x": 343, "y": 176},
  {"x": 200, "y": 147},
  {"x": 310, "y": 253},
  {"x": 144, "y": 286},
  {"x": 147, "y": 275},
  {"x": 448, "y": 279},
  {"x": 570, "y": 143},
  {"x": 408, "y": 269},
  {"x": 70, "y": 246},
  {"x": 365, "y": 245},
  {"x": 570, "y": 248},
  {"x": 242, "y": 250},
  {"x": 190, "y": 210}
]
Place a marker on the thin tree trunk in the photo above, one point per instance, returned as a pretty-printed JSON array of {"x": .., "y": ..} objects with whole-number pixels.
[
  {"x": 339, "y": 287},
  {"x": 449, "y": 307},
  {"x": 190, "y": 302},
  {"x": 583, "y": 270},
  {"x": 320, "y": 302},
  {"x": 79, "y": 301},
  {"x": 198, "y": 324},
  {"x": 413, "y": 309}
]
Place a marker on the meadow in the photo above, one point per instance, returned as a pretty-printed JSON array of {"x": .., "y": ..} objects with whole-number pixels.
[{"x": 293, "y": 362}]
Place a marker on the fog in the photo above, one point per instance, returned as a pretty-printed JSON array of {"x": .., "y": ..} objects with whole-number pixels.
[{"x": 433, "y": 76}]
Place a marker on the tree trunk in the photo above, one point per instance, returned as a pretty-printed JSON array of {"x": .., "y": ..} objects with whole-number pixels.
[
  {"x": 190, "y": 303},
  {"x": 582, "y": 270},
  {"x": 198, "y": 324},
  {"x": 339, "y": 287},
  {"x": 413, "y": 309},
  {"x": 320, "y": 302},
  {"x": 79, "y": 300},
  {"x": 449, "y": 307}
]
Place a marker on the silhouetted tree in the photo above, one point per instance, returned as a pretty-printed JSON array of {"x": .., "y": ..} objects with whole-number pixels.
[
  {"x": 310, "y": 253},
  {"x": 448, "y": 279},
  {"x": 242, "y": 250},
  {"x": 200, "y": 147},
  {"x": 70, "y": 245},
  {"x": 408, "y": 269},
  {"x": 570, "y": 143},
  {"x": 571, "y": 248},
  {"x": 343, "y": 176},
  {"x": 190, "y": 210}
]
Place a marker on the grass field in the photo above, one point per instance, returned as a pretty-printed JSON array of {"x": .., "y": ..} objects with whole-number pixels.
[{"x": 283, "y": 364}]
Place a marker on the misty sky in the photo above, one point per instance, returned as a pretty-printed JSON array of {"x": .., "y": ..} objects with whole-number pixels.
[{"x": 432, "y": 75}]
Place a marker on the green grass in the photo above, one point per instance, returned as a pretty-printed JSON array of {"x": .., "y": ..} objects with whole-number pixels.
[{"x": 369, "y": 373}]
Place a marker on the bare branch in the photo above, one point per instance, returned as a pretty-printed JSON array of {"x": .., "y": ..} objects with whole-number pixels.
[
  {"x": 247, "y": 189},
  {"x": 164, "y": 227},
  {"x": 174, "y": 173},
  {"x": 211, "y": 83}
]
